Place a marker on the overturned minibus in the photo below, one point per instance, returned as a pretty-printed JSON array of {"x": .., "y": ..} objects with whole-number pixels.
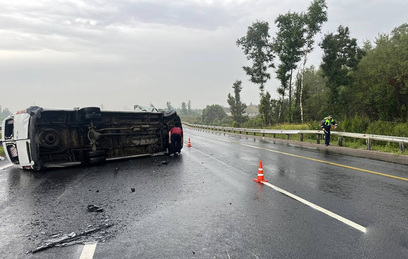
[{"x": 38, "y": 138}]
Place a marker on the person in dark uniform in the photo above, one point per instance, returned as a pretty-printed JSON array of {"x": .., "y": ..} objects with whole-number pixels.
[
  {"x": 326, "y": 126},
  {"x": 175, "y": 140}
]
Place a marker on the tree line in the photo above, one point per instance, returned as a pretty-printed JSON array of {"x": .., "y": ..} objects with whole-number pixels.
[
  {"x": 369, "y": 81},
  {"x": 365, "y": 87}
]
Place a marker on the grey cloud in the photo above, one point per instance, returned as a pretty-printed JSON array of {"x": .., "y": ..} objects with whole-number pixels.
[
  {"x": 175, "y": 14},
  {"x": 126, "y": 52}
]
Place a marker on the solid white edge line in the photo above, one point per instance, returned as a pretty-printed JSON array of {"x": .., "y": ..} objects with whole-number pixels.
[
  {"x": 88, "y": 251},
  {"x": 6, "y": 166},
  {"x": 316, "y": 207}
]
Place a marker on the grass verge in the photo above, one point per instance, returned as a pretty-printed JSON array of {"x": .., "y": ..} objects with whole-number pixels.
[{"x": 1, "y": 149}]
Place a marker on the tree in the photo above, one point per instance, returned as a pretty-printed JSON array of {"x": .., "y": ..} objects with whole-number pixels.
[
  {"x": 4, "y": 113},
  {"x": 183, "y": 108},
  {"x": 258, "y": 49},
  {"x": 169, "y": 107},
  {"x": 341, "y": 57},
  {"x": 315, "y": 95},
  {"x": 213, "y": 113},
  {"x": 381, "y": 81},
  {"x": 288, "y": 45},
  {"x": 316, "y": 15},
  {"x": 189, "y": 107},
  {"x": 236, "y": 106},
  {"x": 266, "y": 109}
]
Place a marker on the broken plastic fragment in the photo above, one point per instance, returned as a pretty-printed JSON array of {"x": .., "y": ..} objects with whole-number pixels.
[{"x": 93, "y": 208}]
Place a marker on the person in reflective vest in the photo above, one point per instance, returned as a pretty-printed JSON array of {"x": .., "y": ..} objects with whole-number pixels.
[
  {"x": 175, "y": 140},
  {"x": 326, "y": 126}
]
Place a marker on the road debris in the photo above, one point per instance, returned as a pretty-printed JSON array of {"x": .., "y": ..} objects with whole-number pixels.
[
  {"x": 69, "y": 239},
  {"x": 133, "y": 189},
  {"x": 93, "y": 208},
  {"x": 2, "y": 158},
  {"x": 163, "y": 163}
]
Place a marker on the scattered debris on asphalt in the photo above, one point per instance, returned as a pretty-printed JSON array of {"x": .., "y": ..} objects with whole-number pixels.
[
  {"x": 163, "y": 163},
  {"x": 133, "y": 189},
  {"x": 93, "y": 208},
  {"x": 1, "y": 158},
  {"x": 69, "y": 239}
]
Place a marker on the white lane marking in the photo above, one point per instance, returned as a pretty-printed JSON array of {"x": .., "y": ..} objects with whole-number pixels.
[
  {"x": 6, "y": 166},
  {"x": 316, "y": 207},
  {"x": 88, "y": 251}
]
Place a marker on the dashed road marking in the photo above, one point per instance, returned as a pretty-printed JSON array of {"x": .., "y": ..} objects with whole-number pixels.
[
  {"x": 88, "y": 251},
  {"x": 316, "y": 207}
]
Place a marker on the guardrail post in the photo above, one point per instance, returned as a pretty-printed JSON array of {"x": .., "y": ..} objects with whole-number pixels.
[
  {"x": 318, "y": 138},
  {"x": 287, "y": 136},
  {"x": 301, "y": 136},
  {"x": 340, "y": 141},
  {"x": 368, "y": 142},
  {"x": 274, "y": 135},
  {"x": 402, "y": 147}
]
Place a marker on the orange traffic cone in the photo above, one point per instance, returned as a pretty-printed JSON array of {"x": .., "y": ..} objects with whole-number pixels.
[
  {"x": 260, "y": 177},
  {"x": 189, "y": 143}
]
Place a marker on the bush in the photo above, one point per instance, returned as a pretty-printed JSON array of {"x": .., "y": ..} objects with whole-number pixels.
[
  {"x": 381, "y": 128},
  {"x": 255, "y": 123},
  {"x": 194, "y": 119},
  {"x": 227, "y": 122},
  {"x": 314, "y": 125},
  {"x": 291, "y": 127},
  {"x": 401, "y": 130},
  {"x": 235, "y": 124},
  {"x": 358, "y": 124},
  {"x": 216, "y": 122}
]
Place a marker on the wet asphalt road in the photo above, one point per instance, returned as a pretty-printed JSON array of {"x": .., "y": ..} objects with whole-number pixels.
[{"x": 204, "y": 204}]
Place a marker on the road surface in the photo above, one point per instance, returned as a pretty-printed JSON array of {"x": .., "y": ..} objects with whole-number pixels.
[{"x": 205, "y": 204}]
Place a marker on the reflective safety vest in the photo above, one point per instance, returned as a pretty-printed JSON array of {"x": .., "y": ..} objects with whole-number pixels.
[{"x": 326, "y": 122}]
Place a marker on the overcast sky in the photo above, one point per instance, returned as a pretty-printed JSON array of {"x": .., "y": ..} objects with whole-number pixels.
[{"x": 65, "y": 54}]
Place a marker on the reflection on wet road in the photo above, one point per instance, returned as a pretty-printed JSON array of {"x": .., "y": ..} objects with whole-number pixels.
[{"x": 204, "y": 204}]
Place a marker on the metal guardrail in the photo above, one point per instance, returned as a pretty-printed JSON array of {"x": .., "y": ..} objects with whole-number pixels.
[{"x": 319, "y": 133}]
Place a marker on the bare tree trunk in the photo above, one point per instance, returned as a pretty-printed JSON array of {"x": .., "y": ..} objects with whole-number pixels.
[
  {"x": 302, "y": 84},
  {"x": 290, "y": 97},
  {"x": 281, "y": 107}
]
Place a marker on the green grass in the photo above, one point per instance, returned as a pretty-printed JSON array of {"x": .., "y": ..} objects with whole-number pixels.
[
  {"x": 381, "y": 146},
  {"x": 1, "y": 149},
  {"x": 291, "y": 127}
]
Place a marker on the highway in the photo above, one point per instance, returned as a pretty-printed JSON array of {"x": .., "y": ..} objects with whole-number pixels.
[{"x": 205, "y": 204}]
